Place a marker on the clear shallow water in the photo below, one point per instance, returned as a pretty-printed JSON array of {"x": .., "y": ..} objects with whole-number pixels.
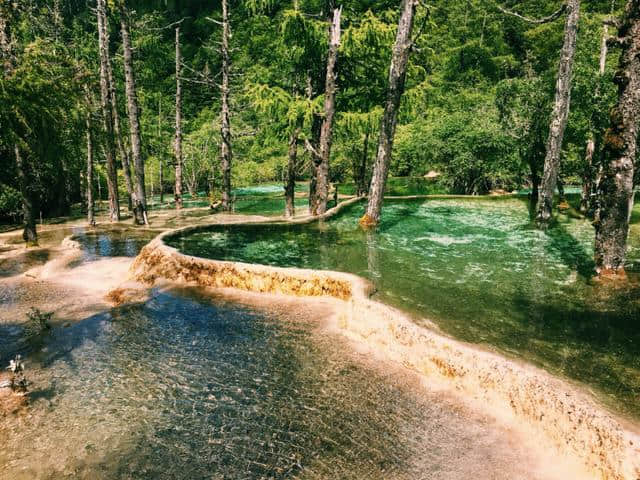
[
  {"x": 478, "y": 270},
  {"x": 113, "y": 244},
  {"x": 182, "y": 388}
]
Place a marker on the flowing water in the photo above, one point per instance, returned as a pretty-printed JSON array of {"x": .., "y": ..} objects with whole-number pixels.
[
  {"x": 479, "y": 271},
  {"x": 185, "y": 388}
]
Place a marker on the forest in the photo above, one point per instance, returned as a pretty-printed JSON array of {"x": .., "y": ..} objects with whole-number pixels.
[
  {"x": 250, "y": 81},
  {"x": 311, "y": 239}
]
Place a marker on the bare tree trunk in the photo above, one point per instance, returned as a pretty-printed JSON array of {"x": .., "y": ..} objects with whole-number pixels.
[
  {"x": 397, "y": 76},
  {"x": 290, "y": 186},
  {"x": 559, "y": 116},
  {"x": 122, "y": 150},
  {"x": 178, "y": 139},
  {"x": 107, "y": 112},
  {"x": 361, "y": 170},
  {"x": 316, "y": 126},
  {"x": 90, "y": 206},
  {"x": 140, "y": 199},
  {"x": 321, "y": 157},
  {"x": 161, "y": 179},
  {"x": 588, "y": 175},
  {"x": 619, "y": 152},
  {"x": 226, "y": 154},
  {"x": 29, "y": 233}
]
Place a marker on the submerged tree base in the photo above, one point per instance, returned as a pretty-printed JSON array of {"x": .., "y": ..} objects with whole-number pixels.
[{"x": 367, "y": 222}]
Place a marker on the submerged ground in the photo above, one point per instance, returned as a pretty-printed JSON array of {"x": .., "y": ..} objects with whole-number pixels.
[
  {"x": 480, "y": 271},
  {"x": 185, "y": 387}
]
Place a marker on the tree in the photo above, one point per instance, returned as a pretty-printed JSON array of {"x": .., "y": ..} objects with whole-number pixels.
[
  {"x": 321, "y": 155},
  {"x": 397, "y": 77},
  {"x": 29, "y": 233},
  {"x": 615, "y": 189},
  {"x": 178, "y": 137},
  {"x": 226, "y": 154},
  {"x": 117, "y": 132},
  {"x": 140, "y": 199},
  {"x": 89, "y": 172},
  {"x": 107, "y": 112},
  {"x": 559, "y": 116}
]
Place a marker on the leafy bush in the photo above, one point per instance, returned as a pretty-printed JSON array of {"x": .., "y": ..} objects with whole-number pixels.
[{"x": 10, "y": 203}]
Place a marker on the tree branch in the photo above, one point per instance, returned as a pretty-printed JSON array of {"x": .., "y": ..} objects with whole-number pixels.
[
  {"x": 537, "y": 21},
  {"x": 310, "y": 149}
]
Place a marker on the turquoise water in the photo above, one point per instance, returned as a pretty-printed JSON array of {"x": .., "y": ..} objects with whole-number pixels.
[{"x": 480, "y": 271}]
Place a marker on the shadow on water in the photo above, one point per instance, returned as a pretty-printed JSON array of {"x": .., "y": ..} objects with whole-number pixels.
[
  {"x": 572, "y": 253},
  {"x": 586, "y": 342},
  {"x": 18, "y": 264}
]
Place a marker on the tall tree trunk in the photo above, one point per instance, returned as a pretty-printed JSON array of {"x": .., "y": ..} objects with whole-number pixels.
[
  {"x": 90, "y": 205},
  {"x": 316, "y": 126},
  {"x": 161, "y": 179},
  {"x": 361, "y": 170},
  {"x": 290, "y": 186},
  {"x": 619, "y": 152},
  {"x": 107, "y": 112},
  {"x": 321, "y": 156},
  {"x": 226, "y": 154},
  {"x": 29, "y": 233},
  {"x": 139, "y": 197},
  {"x": 559, "y": 116},
  {"x": 117, "y": 132},
  {"x": 587, "y": 175},
  {"x": 589, "y": 171},
  {"x": 397, "y": 76},
  {"x": 178, "y": 139}
]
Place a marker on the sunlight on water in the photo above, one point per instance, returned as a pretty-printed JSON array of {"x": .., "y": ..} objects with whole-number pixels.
[
  {"x": 184, "y": 388},
  {"x": 481, "y": 272}
]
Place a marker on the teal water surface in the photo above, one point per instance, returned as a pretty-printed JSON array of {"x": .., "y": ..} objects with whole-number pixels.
[{"x": 480, "y": 272}]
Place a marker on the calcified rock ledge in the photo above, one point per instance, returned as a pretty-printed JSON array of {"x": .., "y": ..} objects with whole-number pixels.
[{"x": 549, "y": 407}]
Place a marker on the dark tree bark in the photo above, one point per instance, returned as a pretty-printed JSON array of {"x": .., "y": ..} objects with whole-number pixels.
[
  {"x": 139, "y": 197},
  {"x": 397, "y": 76},
  {"x": 29, "y": 234},
  {"x": 615, "y": 189},
  {"x": 535, "y": 179},
  {"x": 178, "y": 139},
  {"x": 559, "y": 116},
  {"x": 290, "y": 185},
  {"x": 117, "y": 132},
  {"x": 226, "y": 154},
  {"x": 90, "y": 204},
  {"x": 107, "y": 112},
  {"x": 321, "y": 155}
]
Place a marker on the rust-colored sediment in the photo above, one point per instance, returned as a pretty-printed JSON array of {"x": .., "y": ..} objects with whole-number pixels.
[{"x": 575, "y": 424}]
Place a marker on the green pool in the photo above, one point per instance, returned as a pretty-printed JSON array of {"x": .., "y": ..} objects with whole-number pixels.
[{"x": 480, "y": 272}]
